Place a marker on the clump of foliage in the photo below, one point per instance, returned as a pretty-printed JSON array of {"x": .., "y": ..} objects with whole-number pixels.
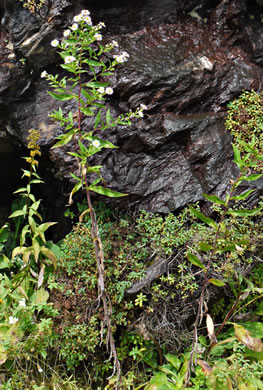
[
  {"x": 245, "y": 120},
  {"x": 33, "y": 5}
]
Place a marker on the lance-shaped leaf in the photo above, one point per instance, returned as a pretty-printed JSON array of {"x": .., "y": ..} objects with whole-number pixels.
[
  {"x": 242, "y": 196},
  {"x": 194, "y": 260},
  {"x": 245, "y": 337},
  {"x": 203, "y": 217},
  {"x": 64, "y": 139},
  {"x": 205, "y": 247},
  {"x": 217, "y": 282},
  {"x": 252, "y": 177},
  {"x": 60, "y": 96},
  {"x": 50, "y": 255},
  {"x": 244, "y": 212},
  {"x": 214, "y": 199},
  {"x": 106, "y": 192}
]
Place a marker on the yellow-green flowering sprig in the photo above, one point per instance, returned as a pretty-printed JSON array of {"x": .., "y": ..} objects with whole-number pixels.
[{"x": 32, "y": 244}]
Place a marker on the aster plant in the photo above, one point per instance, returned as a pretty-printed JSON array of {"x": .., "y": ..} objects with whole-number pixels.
[{"x": 89, "y": 63}]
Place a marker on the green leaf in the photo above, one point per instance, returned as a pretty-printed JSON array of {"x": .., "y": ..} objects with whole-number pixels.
[
  {"x": 214, "y": 199},
  {"x": 173, "y": 360},
  {"x": 97, "y": 119},
  {"x": 259, "y": 309},
  {"x": 237, "y": 157},
  {"x": 203, "y": 246},
  {"x": 40, "y": 297},
  {"x": 203, "y": 218},
  {"x": 243, "y": 212},
  {"x": 252, "y": 177},
  {"x": 108, "y": 117},
  {"x": 244, "y": 336},
  {"x": 242, "y": 196},
  {"x": 106, "y": 192},
  {"x": 94, "y": 63},
  {"x": 194, "y": 260},
  {"x": 217, "y": 282},
  {"x": 256, "y": 328},
  {"x": 87, "y": 111},
  {"x": 17, "y": 213},
  {"x": 60, "y": 96},
  {"x": 64, "y": 139}
]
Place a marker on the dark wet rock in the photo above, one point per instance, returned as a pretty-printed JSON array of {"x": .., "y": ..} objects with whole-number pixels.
[{"x": 187, "y": 61}]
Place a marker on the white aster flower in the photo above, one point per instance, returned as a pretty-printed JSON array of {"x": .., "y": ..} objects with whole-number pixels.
[
  {"x": 44, "y": 74},
  {"x": 54, "y": 43},
  {"x": 85, "y": 12},
  {"x": 115, "y": 44},
  {"x": 22, "y": 303},
  {"x": 101, "y": 24},
  {"x": 98, "y": 37},
  {"x": 101, "y": 89},
  {"x": 96, "y": 143},
  {"x": 109, "y": 91},
  {"x": 140, "y": 113},
  {"x": 13, "y": 320},
  {"x": 88, "y": 20},
  {"x": 67, "y": 33},
  {"x": 143, "y": 107},
  {"x": 69, "y": 59},
  {"x": 75, "y": 26},
  {"x": 78, "y": 18}
]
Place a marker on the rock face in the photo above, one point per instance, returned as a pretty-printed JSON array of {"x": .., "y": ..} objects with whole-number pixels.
[{"x": 186, "y": 63}]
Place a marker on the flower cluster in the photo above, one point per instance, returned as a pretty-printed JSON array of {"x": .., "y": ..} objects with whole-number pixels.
[
  {"x": 139, "y": 111},
  {"x": 108, "y": 90},
  {"x": 13, "y": 320},
  {"x": 120, "y": 58},
  {"x": 69, "y": 59}
]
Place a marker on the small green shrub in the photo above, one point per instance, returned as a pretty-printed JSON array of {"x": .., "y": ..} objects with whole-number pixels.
[{"x": 245, "y": 119}]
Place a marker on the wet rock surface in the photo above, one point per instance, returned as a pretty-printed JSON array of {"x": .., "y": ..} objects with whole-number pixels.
[{"x": 186, "y": 63}]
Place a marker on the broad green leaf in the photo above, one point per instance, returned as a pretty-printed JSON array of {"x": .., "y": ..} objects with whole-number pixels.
[
  {"x": 106, "y": 192},
  {"x": 253, "y": 354},
  {"x": 194, "y": 260},
  {"x": 214, "y": 199},
  {"x": 245, "y": 337},
  {"x": 243, "y": 212},
  {"x": 40, "y": 296},
  {"x": 242, "y": 196},
  {"x": 173, "y": 360},
  {"x": 259, "y": 309},
  {"x": 216, "y": 282},
  {"x": 255, "y": 328},
  {"x": 203, "y": 218},
  {"x": 60, "y": 96},
  {"x": 3, "y": 354}
]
